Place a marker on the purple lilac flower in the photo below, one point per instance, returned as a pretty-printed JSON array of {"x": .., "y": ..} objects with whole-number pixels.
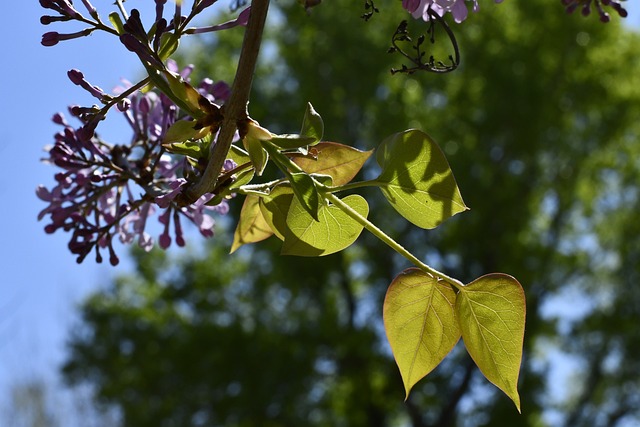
[
  {"x": 52, "y": 38},
  {"x": 106, "y": 192},
  {"x": 457, "y": 8},
  {"x": 585, "y": 6}
]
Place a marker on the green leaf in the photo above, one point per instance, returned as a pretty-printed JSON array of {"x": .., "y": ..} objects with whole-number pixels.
[
  {"x": 185, "y": 93},
  {"x": 420, "y": 322},
  {"x": 322, "y": 179},
  {"x": 169, "y": 43},
  {"x": 491, "y": 311},
  {"x": 116, "y": 21},
  {"x": 292, "y": 141},
  {"x": 258, "y": 155},
  {"x": 275, "y": 208},
  {"x": 306, "y": 191},
  {"x": 339, "y": 161},
  {"x": 241, "y": 178},
  {"x": 187, "y": 148},
  {"x": 332, "y": 232},
  {"x": 238, "y": 155},
  {"x": 181, "y": 130},
  {"x": 312, "y": 125},
  {"x": 417, "y": 180},
  {"x": 252, "y": 227}
]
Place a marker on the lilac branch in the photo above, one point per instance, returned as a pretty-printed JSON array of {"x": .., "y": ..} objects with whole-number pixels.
[{"x": 234, "y": 110}]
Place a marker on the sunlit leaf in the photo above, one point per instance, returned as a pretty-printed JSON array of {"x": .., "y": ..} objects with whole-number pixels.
[
  {"x": 275, "y": 207},
  {"x": 116, "y": 21},
  {"x": 257, "y": 154},
  {"x": 420, "y": 322},
  {"x": 187, "y": 148},
  {"x": 292, "y": 141},
  {"x": 238, "y": 155},
  {"x": 332, "y": 232},
  {"x": 312, "y": 125},
  {"x": 186, "y": 93},
  {"x": 182, "y": 130},
  {"x": 229, "y": 187},
  {"x": 169, "y": 43},
  {"x": 339, "y": 161},
  {"x": 252, "y": 227},
  {"x": 306, "y": 192},
  {"x": 491, "y": 311},
  {"x": 417, "y": 180}
]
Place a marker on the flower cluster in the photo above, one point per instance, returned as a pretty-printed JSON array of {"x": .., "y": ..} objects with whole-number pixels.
[
  {"x": 424, "y": 8},
  {"x": 105, "y": 190},
  {"x": 585, "y": 7}
]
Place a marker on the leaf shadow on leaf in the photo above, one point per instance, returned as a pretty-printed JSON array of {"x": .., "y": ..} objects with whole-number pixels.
[
  {"x": 298, "y": 247},
  {"x": 402, "y": 153}
]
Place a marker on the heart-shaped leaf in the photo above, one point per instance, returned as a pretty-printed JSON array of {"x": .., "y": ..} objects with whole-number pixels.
[
  {"x": 332, "y": 232},
  {"x": 491, "y": 312},
  {"x": 420, "y": 322},
  {"x": 417, "y": 180}
]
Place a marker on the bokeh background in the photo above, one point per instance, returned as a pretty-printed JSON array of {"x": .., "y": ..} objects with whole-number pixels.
[{"x": 540, "y": 127}]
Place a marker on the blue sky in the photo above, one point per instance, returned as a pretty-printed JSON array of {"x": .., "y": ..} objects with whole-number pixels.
[{"x": 41, "y": 283}]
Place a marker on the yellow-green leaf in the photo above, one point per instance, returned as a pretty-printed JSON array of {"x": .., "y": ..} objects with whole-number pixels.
[
  {"x": 182, "y": 130},
  {"x": 187, "y": 94},
  {"x": 116, "y": 21},
  {"x": 491, "y": 312},
  {"x": 420, "y": 322},
  {"x": 292, "y": 141},
  {"x": 333, "y": 232},
  {"x": 304, "y": 188},
  {"x": 169, "y": 43},
  {"x": 339, "y": 161},
  {"x": 238, "y": 155},
  {"x": 312, "y": 124},
  {"x": 417, "y": 180},
  {"x": 257, "y": 154},
  {"x": 275, "y": 207},
  {"x": 252, "y": 227}
]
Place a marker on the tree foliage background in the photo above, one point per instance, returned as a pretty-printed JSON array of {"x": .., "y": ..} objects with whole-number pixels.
[{"x": 540, "y": 127}]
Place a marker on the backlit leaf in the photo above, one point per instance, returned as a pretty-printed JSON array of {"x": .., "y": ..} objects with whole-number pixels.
[
  {"x": 169, "y": 43},
  {"x": 333, "y": 232},
  {"x": 305, "y": 190},
  {"x": 292, "y": 141},
  {"x": 238, "y": 155},
  {"x": 182, "y": 130},
  {"x": 252, "y": 227},
  {"x": 186, "y": 93},
  {"x": 275, "y": 207},
  {"x": 340, "y": 161},
  {"x": 491, "y": 311},
  {"x": 312, "y": 125},
  {"x": 417, "y": 180},
  {"x": 420, "y": 322},
  {"x": 116, "y": 21},
  {"x": 187, "y": 148},
  {"x": 257, "y": 154}
]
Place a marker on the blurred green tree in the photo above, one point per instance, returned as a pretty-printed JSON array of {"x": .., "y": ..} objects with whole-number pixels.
[{"x": 540, "y": 127}]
